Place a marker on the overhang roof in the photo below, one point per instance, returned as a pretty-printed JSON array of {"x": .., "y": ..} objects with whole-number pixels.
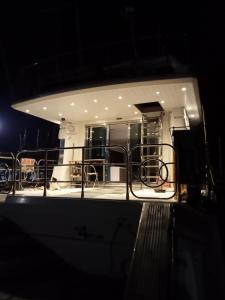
[{"x": 99, "y": 104}]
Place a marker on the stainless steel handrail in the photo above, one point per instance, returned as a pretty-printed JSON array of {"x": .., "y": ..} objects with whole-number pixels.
[
  {"x": 155, "y": 157},
  {"x": 84, "y": 163},
  {"x": 8, "y": 159},
  {"x": 46, "y": 165}
]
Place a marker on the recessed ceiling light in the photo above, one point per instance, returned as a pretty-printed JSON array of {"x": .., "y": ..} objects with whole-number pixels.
[
  {"x": 136, "y": 112},
  {"x": 72, "y": 104},
  {"x": 96, "y": 117},
  {"x": 183, "y": 89},
  {"x": 129, "y": 105},
  {"x": 106, "y": 108},
  {"x": 60, "y": 114},
  {"x": 189, "y": 108},
  {"x": 44, "y": 107},
  {"x": 85, "y": 111},
  {"x": 27, "y": 110},
  {"x": 120, "y": 97},
  {"x": 95, "y": 100},
  {"x": 162, "y": 101},
  {"x": 157, "y": 93}
]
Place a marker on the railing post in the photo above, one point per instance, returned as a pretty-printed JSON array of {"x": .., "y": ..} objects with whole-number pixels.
[
  {"x": 45, "y": 179},
  {"x": 127, "y": 175},
  {"x": 82, "y": 174},
  {"x": 14, "y": 175}
]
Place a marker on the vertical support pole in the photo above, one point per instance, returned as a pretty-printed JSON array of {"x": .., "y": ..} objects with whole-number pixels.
[
  {"x": 45, "y": 179},
  {"x": 127, "y": 175},
  {"x": 82, "y": 174},
  {"x": 20, "y": 176},
  {"x": 14, "y": 175}
]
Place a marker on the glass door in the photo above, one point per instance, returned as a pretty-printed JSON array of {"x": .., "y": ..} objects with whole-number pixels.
[{"x": 96, "y": 136}]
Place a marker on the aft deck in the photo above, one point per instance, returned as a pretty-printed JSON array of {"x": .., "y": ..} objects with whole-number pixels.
[
  {"x": 110, "y": 192},
  {"x": 147, "y": 179}
]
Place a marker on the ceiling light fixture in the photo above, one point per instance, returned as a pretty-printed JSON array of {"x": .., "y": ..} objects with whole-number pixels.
[
  {"x": 106, "y": 108},
  {"x": 157, "y": 93},
  {"x": 129, "y": 105},
  {"x": 60, "y": 115},
  {"x": 27, "y": 110},
  {"x": 95, "y": 100},
  {"x": 72, "y": 104},
  {"x": 85, "y": 111},
  {"x": 183, "y": 89},
  {"x": 136, "y": 112},
  {"x": 44, "y": 107},
  {"x": 96, "y": 117},
  {"x": 162, "y": 101},
  {"x": 120, "y": 97}
]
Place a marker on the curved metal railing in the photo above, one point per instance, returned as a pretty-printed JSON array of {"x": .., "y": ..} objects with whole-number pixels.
[
  {"x": 138, "y": 168},
  {"x": 151, "y": 168},
  {"x": 6, "y": 172}
]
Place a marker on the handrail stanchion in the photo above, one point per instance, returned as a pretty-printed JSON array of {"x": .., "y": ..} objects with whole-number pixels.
[
  {"x": 127, "y": 175},
  {"x": 14, "y": 175},
  {"x": 45, "y": 179},
  {"x": 82, "y": 174}
]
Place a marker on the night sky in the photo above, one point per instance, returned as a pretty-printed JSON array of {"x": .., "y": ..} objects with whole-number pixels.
[{"x": 76, "y": 33}]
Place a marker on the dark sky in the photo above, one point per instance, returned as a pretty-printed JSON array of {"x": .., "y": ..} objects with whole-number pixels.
[{"x": 39, "y": 31}]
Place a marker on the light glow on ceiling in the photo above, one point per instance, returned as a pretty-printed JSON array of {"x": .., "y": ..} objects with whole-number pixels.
[
  {"x": 60, "y": 115},
  {"x": 44, "y": 107},
  {"x": 170, "y": 94}
]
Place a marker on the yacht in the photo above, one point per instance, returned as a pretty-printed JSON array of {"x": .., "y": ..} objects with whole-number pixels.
[{"x": 111, "y": 213}]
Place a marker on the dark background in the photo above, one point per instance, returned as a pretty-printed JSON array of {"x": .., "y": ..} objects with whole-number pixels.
[{"x": 55, "y": 45}]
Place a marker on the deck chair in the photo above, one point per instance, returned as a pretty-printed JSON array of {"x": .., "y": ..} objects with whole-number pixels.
[
  {"x": 28, "y": 170},
  {"x": 90, "y": 172}
]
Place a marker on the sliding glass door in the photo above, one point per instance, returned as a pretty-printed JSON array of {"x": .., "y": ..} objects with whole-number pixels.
[{"x": 96, "y": 136}]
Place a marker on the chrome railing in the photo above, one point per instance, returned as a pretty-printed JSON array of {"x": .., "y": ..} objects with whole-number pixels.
[
  {"x": 135, "y": 164},
  {"x": 7, "y": 178},
  {"x": 155, "y": 164}
]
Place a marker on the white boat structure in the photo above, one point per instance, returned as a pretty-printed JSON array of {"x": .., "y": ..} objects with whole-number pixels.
[
  {"x": 116, "y": 141},
  {"x": 67, "y": 224}
]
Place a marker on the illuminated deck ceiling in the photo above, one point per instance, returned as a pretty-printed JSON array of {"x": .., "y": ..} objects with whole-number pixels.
[{"x": 109, "y": 102}]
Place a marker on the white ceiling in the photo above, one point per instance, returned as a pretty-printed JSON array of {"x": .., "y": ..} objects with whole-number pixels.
[{"x": 72, "y": 105}]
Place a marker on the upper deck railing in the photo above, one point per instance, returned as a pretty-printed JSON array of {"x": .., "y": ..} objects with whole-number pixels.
[{"x": 40, "y": 169}]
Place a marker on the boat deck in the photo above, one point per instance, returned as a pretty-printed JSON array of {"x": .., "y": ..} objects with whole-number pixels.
[{"x": 111, "y": 192}]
